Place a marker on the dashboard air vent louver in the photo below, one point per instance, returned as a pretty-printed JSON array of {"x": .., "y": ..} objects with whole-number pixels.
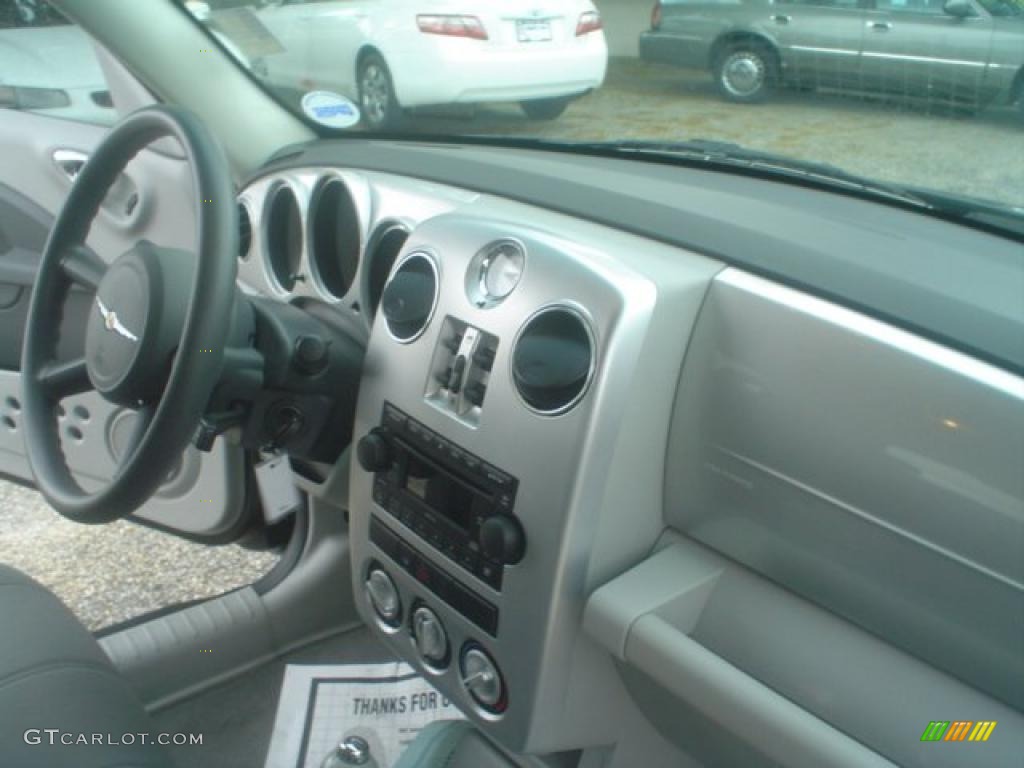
[
  {"x": 283, "y": 236},
  {"x": 244, "y": 232},
  {"x": 410, "y": 297},
  {"x": 335, "y": 237},
  {"x": 553, "y": 360},
  {"x": 385, "y": 245}
]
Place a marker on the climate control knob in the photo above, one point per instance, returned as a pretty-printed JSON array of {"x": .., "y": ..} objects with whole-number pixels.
[
  {"x": 481, "y": 678},
  {"x": 373, "y": 451},
  {"x": 383, "y": 596},
  {"x": 431, "y": 639},
  {"x": 502, "y": 539}
]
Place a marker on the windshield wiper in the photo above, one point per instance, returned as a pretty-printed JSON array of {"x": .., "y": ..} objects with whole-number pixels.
[
  {"x": 987, "y": 212},
  {"x": 723, "y": 154}
]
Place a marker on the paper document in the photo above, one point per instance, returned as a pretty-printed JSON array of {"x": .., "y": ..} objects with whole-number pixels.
[{"x": 386, "y": 704}]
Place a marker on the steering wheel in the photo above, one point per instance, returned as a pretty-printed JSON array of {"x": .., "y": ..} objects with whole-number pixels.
[{"x": 156, "y": 329}]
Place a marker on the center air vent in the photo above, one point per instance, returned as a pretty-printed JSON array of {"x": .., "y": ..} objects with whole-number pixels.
[
  {"x": 553, "y": 360},
  {"x": 334, "y": 236},
  {"x": 410, "y": 297},
  {"x": 244, "y": 232},
  {"x": 283, "y": 236},
  {"x": 385, "y": 245}
]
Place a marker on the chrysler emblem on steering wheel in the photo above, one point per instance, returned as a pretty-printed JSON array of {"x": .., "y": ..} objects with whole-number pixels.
[{"x": 112, "y": 323}]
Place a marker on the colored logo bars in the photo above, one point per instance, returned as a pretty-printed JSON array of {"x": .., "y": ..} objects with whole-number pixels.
[{"x": 958, "y": 730}]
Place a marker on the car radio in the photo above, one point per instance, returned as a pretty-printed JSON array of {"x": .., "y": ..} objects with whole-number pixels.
[{"x": 458, "y": 503}]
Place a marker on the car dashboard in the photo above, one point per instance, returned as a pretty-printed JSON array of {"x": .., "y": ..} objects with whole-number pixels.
[{"x": 599, "y": 472}]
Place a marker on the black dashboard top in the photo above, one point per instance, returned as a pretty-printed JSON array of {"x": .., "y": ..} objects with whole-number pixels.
[{"x": 959, "y": 286}]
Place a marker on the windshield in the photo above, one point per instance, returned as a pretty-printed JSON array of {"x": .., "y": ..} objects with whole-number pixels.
[{"x": 912, "y": 94}]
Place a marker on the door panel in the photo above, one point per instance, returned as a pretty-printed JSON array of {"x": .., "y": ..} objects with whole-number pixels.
[
  {"x": 204, "y": 496},
  {"x": 912, "y": 47},
  {"x": 820, "y": 41}
]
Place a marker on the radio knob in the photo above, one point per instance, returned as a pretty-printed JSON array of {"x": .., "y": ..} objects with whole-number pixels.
[
  {"x": 502, "y": 539},
  {"x": 373, "y": 451}
]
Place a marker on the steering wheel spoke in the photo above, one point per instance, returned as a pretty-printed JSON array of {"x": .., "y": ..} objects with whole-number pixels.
[
  {"x": 82, "y": 267},
  {"x": 143, "y": 418},
  {"x": 62, "y": 379}
]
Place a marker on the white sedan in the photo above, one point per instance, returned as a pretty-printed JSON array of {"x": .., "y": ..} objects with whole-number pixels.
[{"x": 394, "y": 54}]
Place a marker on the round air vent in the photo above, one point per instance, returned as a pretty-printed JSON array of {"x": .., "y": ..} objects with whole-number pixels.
[
  {"x": 495, "y": 272},
  {"x": 334, "y": 236},
  {"x": 410, "y": 297},
  {"x": 283, "y": 236},
  {"x": 385, "y": 245},
  {"x": 244, "y": 232},
  {"x": 553, "y": 360}
]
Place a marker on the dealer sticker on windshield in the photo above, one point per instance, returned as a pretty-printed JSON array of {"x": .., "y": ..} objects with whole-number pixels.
[{"x": 330, "y": 109}]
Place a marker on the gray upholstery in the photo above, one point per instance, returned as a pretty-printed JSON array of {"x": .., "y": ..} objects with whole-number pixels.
[
  {"x": 53, "y": 675},
  {"x": 452, "y": 744}
]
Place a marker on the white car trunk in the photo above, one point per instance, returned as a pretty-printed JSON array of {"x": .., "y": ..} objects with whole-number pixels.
[{"x": 521, "y": 23}]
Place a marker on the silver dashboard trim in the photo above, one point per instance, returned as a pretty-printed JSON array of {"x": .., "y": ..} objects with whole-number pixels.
[
  {"x": 926, "y": 350},
  {"x": 868, "y": 470}
]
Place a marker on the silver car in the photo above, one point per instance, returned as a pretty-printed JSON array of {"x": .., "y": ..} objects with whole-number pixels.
[{"x": 968, "y": 52}]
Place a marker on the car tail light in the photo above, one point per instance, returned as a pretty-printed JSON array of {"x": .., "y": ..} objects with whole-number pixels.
[
  {"x": 656, "y": 15},
  {"x": 589, "y": 22},
  {"x": 452, "y": 26}
]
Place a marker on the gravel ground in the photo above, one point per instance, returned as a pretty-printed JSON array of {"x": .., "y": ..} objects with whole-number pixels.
[
  {"x": 109, "y": 573},
  {"x": 975, "y": 155}
]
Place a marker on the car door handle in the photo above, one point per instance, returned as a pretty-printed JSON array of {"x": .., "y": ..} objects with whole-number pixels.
[
  {"x": 781, "y": 18},
  {"x": 880, "y": 26},
  {"x": 122, "y": 199},
  {"x": 69, "y": 162}
]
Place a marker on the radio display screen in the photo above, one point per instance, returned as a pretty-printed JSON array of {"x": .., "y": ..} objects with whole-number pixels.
[{"x": 440, "y": 491}]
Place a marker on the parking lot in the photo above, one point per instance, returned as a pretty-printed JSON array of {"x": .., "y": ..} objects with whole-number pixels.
[
  {"x": 110, "y": 573},
  {"x": 883, "y": 139}
]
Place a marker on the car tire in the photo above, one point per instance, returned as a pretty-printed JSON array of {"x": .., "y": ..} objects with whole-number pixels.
[
  {"x": 745, "y": 73},
  {"x": 545, "y": 109},
  {"x": 378, "y": 105}
]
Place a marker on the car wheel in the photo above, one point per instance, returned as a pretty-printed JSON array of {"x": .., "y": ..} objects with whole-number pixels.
[
  {"x": 545, "y": 109},
  {"x": 745, "y": 73},
  {"x": 377, "y": 102}
]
